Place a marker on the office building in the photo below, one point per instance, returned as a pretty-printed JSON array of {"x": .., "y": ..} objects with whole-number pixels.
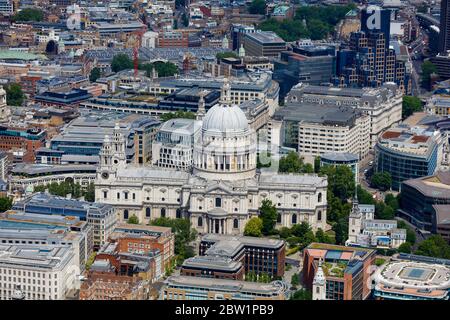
[
  {"x": 374, "y": 18},
  {"x": 383, "y": 105},
  {"x": 444, "y": 28},
  {"x": 412, "y": 277},
  {"x": 336, "y": 272},
  {"x": 40, "y": 272},
  {"x": 195, "y": 288},
  {"x": 257, "y": 255},
  {"x": 147, "y": 266},
  {"x": 407, "y": 153},
  {"x": 3, "y": 165},
  {"x": 22, "y": 143},
  {"x": 314, "y": 65},
  {"x": 5, "y": 111},
  {"x": 174, "y": 145},
  {"x": 366, "y": 231},
  {"x": 26, "y": 176},
  {"x": 7, "y": 7},
  {"x": 101, "y": 217},
  {"x": 62, "y": 99},
  {"x": 425, "y": 201},
  {"x": 103, "y": 283},
  {"x": 143, "y": 239},
  {"x": 263, "y": 44},
  {"x": 213, "y": 267},
  {"x": 24, "y": 228},
  {"x": 81, "y": 140},
  {"x": 314, "y": 129}
]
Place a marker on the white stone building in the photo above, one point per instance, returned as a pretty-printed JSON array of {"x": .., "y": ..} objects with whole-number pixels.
[
  {"x": 44, "y": 272},
  {"x": 224, "y": 189},
  {"x": 364, "y": 230}
]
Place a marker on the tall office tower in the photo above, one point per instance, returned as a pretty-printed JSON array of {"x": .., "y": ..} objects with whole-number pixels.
[
  {"x": 375, "y": 19},
  {"x": 444, "y": 34}
]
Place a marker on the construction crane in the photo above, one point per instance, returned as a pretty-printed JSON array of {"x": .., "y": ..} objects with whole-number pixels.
[{"x": 135, "y": 42}]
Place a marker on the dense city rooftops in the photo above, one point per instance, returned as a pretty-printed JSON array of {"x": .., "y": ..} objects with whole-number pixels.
[{"x": 217, "y": 263}]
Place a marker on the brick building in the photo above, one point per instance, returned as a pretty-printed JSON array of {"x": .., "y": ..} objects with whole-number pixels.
[{"x": 27, "y": 140}]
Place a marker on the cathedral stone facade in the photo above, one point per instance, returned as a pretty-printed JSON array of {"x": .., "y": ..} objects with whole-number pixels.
[{"x": 224, "y": 189}]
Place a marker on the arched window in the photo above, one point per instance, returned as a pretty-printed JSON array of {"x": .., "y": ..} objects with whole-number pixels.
[
  {"x": 294, "y": 218},
  {"x": 125, "y": 214},
  {"x": 319, "y": 215},
  {"x": 236, "y": 223},
  {"x": 200, "y": 222},
  {"x": 178, "y": 213},
  {"x": 163, "y": 212},
  {"x": 319, "y": 197},
  {"x": 279, "y": 218},
  {"x": 148, "y": 212}
]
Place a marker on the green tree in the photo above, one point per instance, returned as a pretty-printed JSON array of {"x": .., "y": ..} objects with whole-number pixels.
[
  {"x": 185, "y": 20},
  {"x": 5, "y": 204},
  {"x": 95, "y": 74},
  {"x": 295, "y": 280},
  {"x": 428, "y": 68},
  {"x": 176, "y": 115},
  {"x": 364, "y": 197},
  {"x": 89, "y": 193},
  {"x": 340, "y": 228},
  {"x": 253, "y": 228},
  {"x": 410, "y": 105},
  {"x": 320, "y": 28},
  {"x": 257, "y": 7},
  {"x": 165, "y": 69},
  {"x": 435, "y": 246},
  {"x": 391, "y": 201},
  {"x": 317, "y": 164},
  {"x": 182, "y": 230},
  {"x": 227, "y": 54},
  {"x": 302, "y": 294},
  {"x": 381, "y": 180},
  {"x": 133, "y": 220},
  {"x": 322, "y": 237},
  {"x": 341, "y": 181},
  {"x": 293, "y": 163},
  {"x": 121, "y": 62},
  {"x": 285, "y": 233},
  {"x": 14, "y": 94},
  {"x": 405, "y": 247},
  {"x": 28, "y": 14},
  {"x": 268, "y": 214}
]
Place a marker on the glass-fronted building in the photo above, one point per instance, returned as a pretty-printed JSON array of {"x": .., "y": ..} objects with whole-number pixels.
[{"x": 406, "y": 154}]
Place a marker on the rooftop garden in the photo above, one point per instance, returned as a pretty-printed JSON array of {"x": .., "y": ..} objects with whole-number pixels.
[{"x": 334, "y": 269}]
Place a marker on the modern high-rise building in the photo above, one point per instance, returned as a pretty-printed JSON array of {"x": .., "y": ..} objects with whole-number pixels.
[
  {"x": 444, "y": 28},
  {"x": 375, "y": 19}
]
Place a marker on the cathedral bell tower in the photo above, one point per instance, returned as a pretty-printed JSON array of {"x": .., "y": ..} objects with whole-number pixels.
[
  {"x": 355, "y": 221},
  {"x": 112, "y": 154},
  {"x": 319, "y": 288}
]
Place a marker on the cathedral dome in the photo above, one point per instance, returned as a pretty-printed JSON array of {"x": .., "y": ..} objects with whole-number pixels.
[{"x": 225, "y": 118}]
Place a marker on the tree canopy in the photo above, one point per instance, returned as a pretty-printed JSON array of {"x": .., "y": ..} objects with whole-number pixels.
[
  {"x": 95, "y": 74},
  {"x": 428, "y": 68},
  {"x": 314, "y": 22},
  {"x": 177, "y": 114},
  {"x": 29, "y": 14},
  {"x": 302, "y": 294},
  {"x": 410, "y": 105},
  {"x": 5, "y": 204},
  {"x": 268, "y": 214},
  {"x": 121, "y": 62},
  {"x": 293, "y": 163},
  {"x": 381, "y": 180},
  {"x": 341, "y": 181},
  {"x": 227, "y": 54},
  {"x": 69, "y": 187},
  {"x": 14, "y": 94},
  {"x": 183, "y": 234},
  {"x": 435, "y": 246},
  {"x": 257, "y": 7},
  {"x": 253, "y": 227},
  {"x": 133, "y": 219}
]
